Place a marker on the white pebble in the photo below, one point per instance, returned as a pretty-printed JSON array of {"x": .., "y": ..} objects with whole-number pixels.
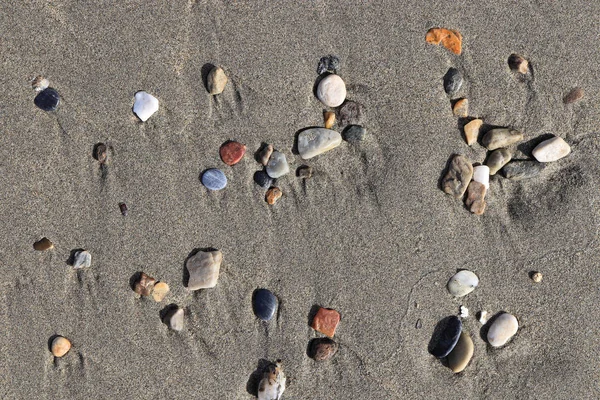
[
  {"x": 481, "y": 174},
  {"x": 502, "y": 329},
  {"x": 462, "y": 283},
  {"x": 82, "y": 259},
  {"x": 332, "y": 91},
  {"x": 551, "y": 150},
  {"x": 315, "y": 141},
  {"x": 464, "y": 312},
  {"x": 145, "y": 105},
  {"x": 483, "y": 317}
]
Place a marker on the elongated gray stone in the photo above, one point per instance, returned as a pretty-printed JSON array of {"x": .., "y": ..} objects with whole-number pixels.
[
  {"x": 315, "y": 141},
  {"x": 498, "y": 159},
  {"x": 203, "y": 268},
  {"x": 277, "y": 165},
  {"x": 457, "y": 178},
  {"x": 501, "y": 137},
  {"x": 519, "y": 170}
]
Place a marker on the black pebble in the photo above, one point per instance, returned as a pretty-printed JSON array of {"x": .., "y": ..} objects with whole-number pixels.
[
  {"x": 123, "y": 208},
  {"x": 453, "y": 81},
  {"x": 519, "y": 170},
  {"x": 264, "y": 304},
  {"x": 445, "y": 336},
  {"x": 262, "y": 179},
  {"x": 328, "y": 64},
  {"x": 354, "y": 133},
  {"x": 47, "y": 99}
]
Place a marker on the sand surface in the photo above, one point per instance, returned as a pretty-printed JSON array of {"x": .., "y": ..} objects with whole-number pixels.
[{"x": 371, "y": 234}]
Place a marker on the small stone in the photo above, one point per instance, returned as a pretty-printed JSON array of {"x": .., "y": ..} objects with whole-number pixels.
[
  {"x": 461, "y": 108},
  {"x": 47, "y": 99},
  {"x": 574, "y": 95},
  {"x": 214, "y": 179},
  {"x": 174, "y": 319},
  {"x": 265, "y": 154},
  {"x": 315, "y": 141},
  {"x": 501, "y": 137},
  {"x": 329, "y": 119},
  {"x": 498, "y": 159},
  {"x": 328, "y": 64},
  {"x": 354, "y": 133},
  {"x": 472, "y": 131},
  {"x": 453, "y": 81},
  {"x": 264, "y": 304},
  {"x": 481, "y": 174},
  {"x": 459, "y": 357},
  {"x": 204, "y": 268},
  {"x": 60, "y": 346},
  {"x": 419, "y": 324},
  {"x": 160, "y": 291},
  {"x": 273, "y": 194},
  {"x": 145, "y": 285},
  {"x": 518, "y": 64},
  {"x": 450, "y": 39},
  {"x": 82, "y": 259},
  {"x": 457, "y": 178},
  {"x": 100, "y": 153},
  {"x": 475, "y": 200},
  {"x": 326, "y": 321},
  {"x": 463, "y": 312},
  {"x": 232, "y": 152},
  {"x": 145, "y": 105},
  {"x": 39, "y": 83},
  {"x": 262, "y": 179},
  {"x": 519, "y": 170},
  {"x": 304, "y": 172},
  {"x": 322, "y": 349},
  {"x": 216, "y": 81},
  {"x": 536, "y": 277},
  {"x": 350, "y": 113},
  {"x": 462, "y": 283},
  {"x": 502, "y": 329},
  {"x": 272, "y": 385},
  {"x": 551, "y": 150},
  {"x": 483, "y": 317},
  {"x": 331, "y": 90},
  {"x": 43, "y": 244},
  {"x": 446, "y": 336},
  {"x": 277, "y": 166},
  {"x": 124, "y": 209}
]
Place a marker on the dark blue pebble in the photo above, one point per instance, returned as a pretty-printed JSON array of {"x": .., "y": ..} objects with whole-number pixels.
[
  {"x": 47, "y": 99},
  {"x": 354, "y": 133},
  {"x": 328, "y": 64},
  {"x": 453, "y": 81},
  {"x": 264, "y": 304},
  {"x": 445, "y": 336},
  {"x": 262, "y": 179},
  {"x": 214, "y": 179}
]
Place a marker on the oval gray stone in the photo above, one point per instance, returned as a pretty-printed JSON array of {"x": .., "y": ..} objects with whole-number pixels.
[
  {"x": 315, "y": 141},
  {"x": 277, "y": 165},
  {"x": 519, "y": 170},
  {"x": 501, "y": 137},
  {"x": 502, "y": 329},
  {"x": 203, "y": 268},
  {"x": 462, "y": 283},
  {"x": 498, "y": 159}
]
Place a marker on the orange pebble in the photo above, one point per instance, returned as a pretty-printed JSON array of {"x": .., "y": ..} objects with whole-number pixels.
[{"x": 450, "y": 39}]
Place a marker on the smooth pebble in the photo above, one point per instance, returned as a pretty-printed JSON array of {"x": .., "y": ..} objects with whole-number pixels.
[
  {"x": 39, "y": 83},
  {"x": 326, "y": 321},
  {"x": 203, "y": 268},
  {"x": 475, "y": 200},
  {"x": 60, "y": 346},
  {"x": 481, "y": 174},
  {"x": 264, "y": 304},
  {"x": 445, "y": 336},
  {"x": 124, "y": 209},
  {"x": 48, "y": 99},
  {"x": 461, "y": 108},
  {"x": 262, "y": 179},
  {"x": 354, "y": 133},
  {"x": 502, "y": 329},
  {"x": 328, "y": 119},
  {"x": 214, "y": 179},
  {"x": 304, "y": 171},
  {"x": 457, "y": 179},
  {"x": 498, "y": 159},
  {"x": 145, "y": 105},
  {"x": 100, "y": 153},
  {"x": 501, "y": 137},
  {"x": 216, "y": 80},
  {"x": 462, "y": 283},
  {"x": 277, "y": 165},
  {"x": 232, "y": 152},
  {"x": 449, "y": 38},
  {"x": 453, "y": 81},
  {"x": 331, "y": 90},
  {"x": 519, "y": 170},
  {"x": 272, "y": 385},
  {"x": 537, "y": 277},
  {"x": 551, "y": 150},
  {"x": 321, "y": 349},
  {"x": 574, "y": 95},
  {"x": 82, "y": 259},
  {"x": 459, "y": 357},
  {"x": 472, "y": 131},
  {"x": 315, "y": 141}
]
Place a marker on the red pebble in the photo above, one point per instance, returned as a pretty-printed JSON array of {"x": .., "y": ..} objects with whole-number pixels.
[
  {"x": 326, "y": 321},
  {"x": 232, "y": 152}
]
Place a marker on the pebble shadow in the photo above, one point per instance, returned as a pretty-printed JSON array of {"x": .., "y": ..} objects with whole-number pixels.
[
  {"x": 165, "y": 313},
  {"x": 528, "y": 146},
  {"x": 312, "y": 313},
  {"x": 50, "y": 341},
  {"x": 134, "y": 279},
  {"x": 204, "y": 71},
  {"x": 263, "y": 145},
  {"x": 256, "y": 376}
]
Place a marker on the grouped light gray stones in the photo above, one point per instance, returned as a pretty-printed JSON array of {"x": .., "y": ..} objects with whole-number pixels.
[
  {"x": 462, "y": 283},
  {"x": 475, "y": 200},
  {"x": 82, "y": 259},
  {"x": 498, "y": 159},
  {"x": 459, "y": 357},
  {"x": 315, "y": 141},
  {"x": 216, "y": 80},
  {"x": 551, "y": 150},
  {"x": 145, "y": 105},
  {"x": 472, "y": 131},
  {"x": 174, "y": 319},
  {"x": 502, "y": 328},
  {"x": 501, "y": 137},
  {"x": 277, "y": 165},
  {"x": 481, "y": 174},
  {"x": 458, "y": 176},
  {"x": 332, "y": 90},
  {"x": 453, "y": 81},
  {"x": 203, "y": 268},
  {"x": 519, "y": 170},
  {"x": 272, "y": 385}
]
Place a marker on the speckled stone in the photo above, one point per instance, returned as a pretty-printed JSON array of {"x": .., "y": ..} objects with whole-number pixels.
[
  {"x": 203, "y": 268},
  {"x": 446, "y": 336},
  {"x": 350, "y": 113},
  {"x": 453, "y": 81},
  {"x": 216, "y": 80},
  {"x": 518, "y": 64},
  {"x": 328, "y": 63},
  {"x": 272, "y": 195},
  {"x": 502, "y": 329},
  {"x": 278, "y": 165},
  {"x": 48, "y": 99},
  {"x": 145, "y": 105},
  {"x": 160, "y": 291},
  {"x": 315, "y": 141},
  {"x": 326, "y": 321},
  {"x": 100, "y": 153},
  {"x": 272, "y": 385},
  {"x": 262, "y": 179},
  {"x": 232, "y": 152},
  {"x": 322, "y": 349},
  {"x": 332, "y": 90},
  {"x": 304, "y": 172},
  {"x": 214, "y": 179},
  {"x": 457, "y": 179},
  {"x": 498, "y": 159},
  {"x": 264, "y": 304},
  {"x": 501, "y": 137},
  {"x": 354, "y": 133},
  {"x": 265, "y": 154},
  {"x": 519, "y": 170},
  {"x": 461, "y": 108},
  {"x": 475, "y": 200}
]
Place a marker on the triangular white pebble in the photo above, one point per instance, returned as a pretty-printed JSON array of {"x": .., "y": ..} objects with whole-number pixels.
[{"x": 145, "y": 105}]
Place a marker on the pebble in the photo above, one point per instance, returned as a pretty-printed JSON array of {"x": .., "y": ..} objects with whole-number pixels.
[
  {"x": 328, "y": 64},
  {"x": 502, "y": 329},
  {"x": 461, "y": 108},
  {"x": 574, "y": 95},
  {"x": 498, "y": 159},
  {"x": 82, "y": 259},
  {"x": 447, "y": 336},
  {"x": 214, "y": 179},
  {"x": 462, "y": 283},
  {"x": 459, "y": 357},
  {"x": 203, "y": 268},
  {"x": 453, "y": 81},
  {"x": 519, "y": 170},
  {"x": 160, "y": 291},
  {"x": 124, "y": 209},
  {"x": 481, "y": 174},
  {"x": 43, "y": 244},
  {"x": 273, "y": 194},
  {"x": 326, "y": 321},
  {"x": 47, "y": 99},
  {"x": 277, "y": 165},
  {"x": 262, "y": 179},
  {"x": 501, "y": 137},
  {"x": 350, "y": 113},
  {"x": 475, "y": 200},
  {"x": 419, "y": 324},
  {"x": 39, "y": 83},
  {"x": 100, "y": 153},
  {"x": 264, "y": 304},
  {"x": 145, "y": 285},
  {"x": 272, "y": 385},
  {"x": 354, "y": 133},
  {"x": 216, "y": 81},
  {"x": 457, "y": 178},
  {"x": 551, "y": 150},
  {"x": 174, "y": 319},
  {"x": 315, "y": 141},
  {"x": 483, "y": 317},
  {"x": 472, "y": 131},
  {"x": 304, "y": 172},
  {"x": 450, "y": 39},
  {"x": 232, "y": 152},
  {"x": 331, "y": 90},
  {"x": 518, "y": 63},
  {"x": 463, "y": 312},
  {"x": 60, "y": 346},
  {"x": 536, "y": 277},
  {"x": 322, "y": 349},
  {"x": 265, "y": 154},
  {"x": 328, "y": 119},
  {"x": 145, "y": 105}
]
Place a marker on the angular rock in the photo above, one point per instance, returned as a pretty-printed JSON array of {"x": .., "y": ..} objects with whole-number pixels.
[
  {"x": 331, "y": 90},
  {"x": 203, "y": 268},
  {"x": 481, "y": 174},
  {"x": 262, "y": 179},
  {"x": 315, "y": 141},
  {"x": 273, "y": 194},
  {"x": 450, "y": 39},
  {"x": 82, "y": 259},
  {"x": 43, "y": 244},
  {"x": 350, "y": 113},
  {"x": 458, "y": 176},
  {"x": 326, "y": 321},
  {"x": 472, "y": 131},
  {"x": 160, "y": 291},
  {"x": 265, "y": 154},
  {"x": 145, "y": 285},
  {"x": 304, "y": 171},
  {"x": 60, "y": 346},
  {"x": 272, "y": 385},
  {"x": 174, "y": 319},
  {"x": 445, "y": 336},
  {"x": 232, "y": 152},
  {"x": 214, "y": 179},
  {"x": 321, "y": 349},
  {"x": 462, "y": 283},
  {"x": 264, "y": 304},
  {"x": 574, "y": 95},
  {"x": 48, "y": 99},
  {"x": 216, "y": 80},
  {"x": 519, "y": 170},
  {"x": 502, "y": 329},
  {"x": 501, "y": 137},
  {"x": 277, "y": 165},
  {"x": 328, "y": 119},
  {"x": 498, "y": 159},
  {"x": 453, "y": 81},
  {"x": 145, "y": 105},
  {"x": 518, "y": 64},
  {"x": 551, "y": 150},
  {"x": 354, "y": 133},
  {"x": 459, "y": 357},
  {"x": 328, "y": 64},
  {"x": 461, "y": 108},
  {"x": 475, "y": 200}
]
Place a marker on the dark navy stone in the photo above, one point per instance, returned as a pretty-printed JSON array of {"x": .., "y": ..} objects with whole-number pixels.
[
  {"x": 328, "y": 64},
  {"x": 445, "y": 336},
  {"x": 518, "y": 170},
  {"x": 453, "y": 81},
  {"x": 262, "y": 179},
  {"x": 264, "y": 304},
  {"x": 47, "y": 99},
  {"x": 354, "y": 133},
  {"x": 214, "y": 179}
]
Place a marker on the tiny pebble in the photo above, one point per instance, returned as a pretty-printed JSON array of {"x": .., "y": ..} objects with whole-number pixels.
[
  {"x": 483, "y": 317},
  {"x": 100, "y": 153},
  {"x": 174, "y": 319},
  {"x": 464, "y": 312},
  {"x": 419, "y": 324},
  {"x": 574, "y": 95},
  {"x": 216, "y": 80},
  {"x": 453, "y": 81},
  {"x": 60, "y": 346},
  {"x": 145, "y": 285},
  {"x": 262, "y": 179},
  {"x": 350, "y": 113},
  {"x": 457, "y": 179},
  {"x": 265, "y": 154},
  {"x": 47, "y": 99},
  {"x": 304, "y": 171},
  {"x": 551, "y": 150},
  {"x": 232, "y": 152},
  {"x": 502, "y": 329},
  {"x": 354, "y": 133},
  {"x": 43, "y": 244},
  {"x": 518, "y": 64},
  {"x": 461, "y": 108},
  {"x": 145, "y": 105},
  {"x": 264, "y": 304},
  {"x": 273, "y": 194},
  {"x": 328, "y": 64},
  {"x": 277, "y": 165},
  {"x": 326, "y": 321},
  {"x": 214, "y": 179},
  {"x": 82, "y": 259},
  {"x": 124, "y": 209},
  {"x": 472, "y": 131},
  {"x": 39, "y": 83},
  {"x": 160, "y": 291},
  {"x": 329, "y": 119},
  {"x": 536, "y": 277},
  {"x": 331, "y": 90},
  {"x": 322, "y": 349}
]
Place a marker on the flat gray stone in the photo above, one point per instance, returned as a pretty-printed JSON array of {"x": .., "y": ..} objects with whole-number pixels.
[
  {"x": 203, "y": 268},
  {"x": 315, "y": 141}
]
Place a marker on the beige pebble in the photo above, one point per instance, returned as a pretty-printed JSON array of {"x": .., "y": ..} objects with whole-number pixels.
[
  {"x": 329, "y": 118},
  {"x": 502, "y": 329},
  {"x": 60, "y": 346},
  {"x": 216, "y": 80},
  {"x": 461, "y": 108},
  {"x": 536, "y": 277},
  {"x": 472, "y": 131},
  {"x": 160, "y": 291},
  {"x": 459, "y": 357},
  {"x": 265, "y": 154}
]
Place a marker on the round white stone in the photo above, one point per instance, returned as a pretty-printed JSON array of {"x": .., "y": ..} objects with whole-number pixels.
[
  {"x": 145, "y": 105},
  {"x": 551, "y": 150},
  {"x": 462, "y": 283},
  {"x": 502, "y": 329},
  {"x": 481, "y": 174},
  {"x": 332, "y": 91},
  {"x": 277, "y": 165}
]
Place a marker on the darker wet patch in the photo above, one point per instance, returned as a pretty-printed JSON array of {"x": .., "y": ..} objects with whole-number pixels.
[{"x": 311, "y": 314}]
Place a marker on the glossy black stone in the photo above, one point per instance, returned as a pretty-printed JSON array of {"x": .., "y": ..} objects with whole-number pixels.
[
  {"x": 328, "y": 64},
  {"x": 264, "y": 304},
  {"x": 518, "y": 170},
  {"x": 262, "y": 179},
  {"x": 354, "y": 133},
  {"x": 445, "y": 336},
  {"x": 47, "y": 99},
  {"x": 453, "y": 81}
]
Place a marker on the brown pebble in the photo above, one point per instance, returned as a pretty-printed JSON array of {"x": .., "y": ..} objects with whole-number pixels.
[
  {"x": 329, "y": 118},
  {"x": 265, "y": 154},
  {"x": 461, "y": 108},
  {"x": 304, "y": 172},
  {"x": 160, "y": 291},
  {"x": 472, "y": 131},
  {"x": 518, "y": 63},
  {"x": 326, "y": 321},
  {"x": 450, "y": 39},
  {"x": 100, "y": 153},
  {"x": 145, "y": 285},
  {"x": 574, "y": 95},
  {"x": 457, "y": 179},
  {"x": 322, "y": 349},
  {"x": 475, "y": 200},
  {"x": 60, "y": 346},
  {"x": 273, "y": 195},
  {"x": 536, "y": 277},
  {"x": 43, "y": 244}
]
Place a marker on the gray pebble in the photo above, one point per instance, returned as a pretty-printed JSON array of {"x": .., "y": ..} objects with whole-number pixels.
[
  {"x": 518, "y": 170},
  {"x": 354, "y": 133},
  {"x": 453, "y": 81}
]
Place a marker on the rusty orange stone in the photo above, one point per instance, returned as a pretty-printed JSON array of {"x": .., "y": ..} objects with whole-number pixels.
[
  {"x": 232, "y": 152},
  {"x": 450, "y": 39},
  {"x": 326, "y": 321},
  {"x": 273, "y": 195}
]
